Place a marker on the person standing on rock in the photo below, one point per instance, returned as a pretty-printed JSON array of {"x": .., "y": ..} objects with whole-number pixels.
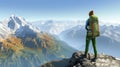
[{"x": 92, "y": 27}]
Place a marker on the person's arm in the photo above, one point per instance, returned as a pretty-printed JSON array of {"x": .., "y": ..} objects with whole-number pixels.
[{"x": 87, "y": 23}]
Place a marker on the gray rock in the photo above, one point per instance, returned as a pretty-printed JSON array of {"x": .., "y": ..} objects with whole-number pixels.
[{"x": 78, "y": 59}]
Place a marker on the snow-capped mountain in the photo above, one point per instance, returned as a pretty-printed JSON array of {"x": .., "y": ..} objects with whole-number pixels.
[{"x": 13, "y": 24}]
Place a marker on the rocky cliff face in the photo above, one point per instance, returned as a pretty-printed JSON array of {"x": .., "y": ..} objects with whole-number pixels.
[{"x": 78, "y": 60}]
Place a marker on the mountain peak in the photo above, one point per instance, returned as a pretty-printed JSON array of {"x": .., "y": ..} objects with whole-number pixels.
[
  {"x": 14, "y": 22},
  {"x": 14, "y": 17}
]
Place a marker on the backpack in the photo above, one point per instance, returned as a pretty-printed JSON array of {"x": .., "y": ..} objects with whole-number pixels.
[{"x": 93, "y": 30}]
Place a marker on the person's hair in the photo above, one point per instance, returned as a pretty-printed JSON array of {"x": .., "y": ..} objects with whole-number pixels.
[{"x": 91, "y": 13}]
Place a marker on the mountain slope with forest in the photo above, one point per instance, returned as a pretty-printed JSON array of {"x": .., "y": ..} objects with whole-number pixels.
[{"x": 23, "y": 45}]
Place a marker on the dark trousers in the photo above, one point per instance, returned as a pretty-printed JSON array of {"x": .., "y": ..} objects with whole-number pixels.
[{"x": 93, "y": 43}]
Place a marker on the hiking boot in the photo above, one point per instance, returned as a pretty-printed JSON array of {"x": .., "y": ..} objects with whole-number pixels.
[
  {"x": 86, "y": 55},
  {"x": 94, "y": 59}
]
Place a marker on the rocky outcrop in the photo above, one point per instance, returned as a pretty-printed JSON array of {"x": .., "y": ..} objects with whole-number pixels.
[{"x": 78, "y": 59}]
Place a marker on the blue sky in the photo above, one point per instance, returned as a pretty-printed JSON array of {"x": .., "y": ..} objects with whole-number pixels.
[{"x": 34, "y": 10}]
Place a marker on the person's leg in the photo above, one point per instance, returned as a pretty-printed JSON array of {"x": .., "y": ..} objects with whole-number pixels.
[
  {"x": 94, "y": 46},
  {"x": 87, "y": 45}
]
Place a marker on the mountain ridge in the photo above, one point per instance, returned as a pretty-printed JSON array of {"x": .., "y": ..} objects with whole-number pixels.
[{"x": 109, "y": 39}]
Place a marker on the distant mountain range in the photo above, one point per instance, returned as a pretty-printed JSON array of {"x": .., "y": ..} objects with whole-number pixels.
[
  {"x": 74, "y": 34},
  {"x": 24, "y": 45},
  {"x": 56, "y": 27}
]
